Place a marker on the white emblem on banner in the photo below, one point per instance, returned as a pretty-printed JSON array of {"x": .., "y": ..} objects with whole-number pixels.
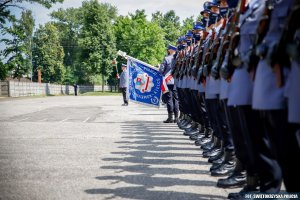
[{"x": 143, "y": 83}]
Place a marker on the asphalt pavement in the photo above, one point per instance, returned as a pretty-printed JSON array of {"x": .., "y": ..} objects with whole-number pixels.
[{"x": 85, "y": 147}]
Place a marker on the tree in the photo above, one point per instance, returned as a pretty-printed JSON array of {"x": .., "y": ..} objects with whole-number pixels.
[
  {"x": 15, "y": 46},
  {"x": 18, "y": 50},
  {"x": 170, "y": 23},
  {"x": 140, "y": 38},
  {"x": 199, "y": 17},
  {"x": 13, "y": 3},
  {"x": 5, "y": 6},
  {"x": 157, "y": 17},
  {"x": 28, "y": 24},
  {"x": 4, "y": 16},
  {"x": 3, "y": 71},
  {"x": 49, "y": 54},
  {"x": 187, "y": 25},
  {"x": 69, "y": 23},
  {"x": 97, "y": 39}
]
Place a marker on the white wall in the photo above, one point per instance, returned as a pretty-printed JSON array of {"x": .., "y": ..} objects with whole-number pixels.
[{"x": 19, "y": 89}]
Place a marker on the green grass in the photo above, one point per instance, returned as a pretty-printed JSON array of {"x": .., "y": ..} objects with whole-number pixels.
[{"x": 101, "y": 94}]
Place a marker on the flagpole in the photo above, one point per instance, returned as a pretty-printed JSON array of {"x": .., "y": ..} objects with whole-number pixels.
[{"x": 123, "y": 54}]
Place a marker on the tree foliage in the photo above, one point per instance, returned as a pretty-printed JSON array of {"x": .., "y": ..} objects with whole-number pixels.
[
  {"x": 49, "y": 54},
  {"x": 187, "y": 24},
  {"x": 3, "y": 71},
  {"x": 68, "y": 23},
  {"x": 5, "y": 5},
  {"x": 97, "y": 39},
  {"x": 16, "y": 3},
  {"x": 18, "y": 49},
  {"x": 170, "y": 23},
  {"x": 140, "y": 38}
]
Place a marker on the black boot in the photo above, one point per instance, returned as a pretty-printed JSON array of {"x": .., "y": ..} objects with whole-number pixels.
[
  {"x": 214, "y": 150},
  {"x": 186, "y": 123},
  {"x": 200, "y": 135},
  {"x": 191, "y": 130},
  {"x": 252, "y": 184},
  {"x": 170, "y": 118},
  {"x": 209, "y": 144},
  {"x": 216, "y": 164},
  {"x": 196, "y": 136},
  {"x": 227, "y": 166},
  {"x": 182, "y": 120},
  {"x": 176, "y": 117},
  {"x": 218, "y": 161},
  {"x": 207, "y": 137},
  {"x": 205, "y": 141},
  {"x": 216, "y": 157},
  {"x": 237, "y": 179}
]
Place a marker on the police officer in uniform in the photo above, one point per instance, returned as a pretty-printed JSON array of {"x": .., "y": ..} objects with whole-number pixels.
[
  {"x": 171, "y": 97},
  {"x": 293, "y": 96},
  {"x": 190, "y": 90},
  {"x": 75, "y": 88},
  {"x": 185, "y": 84},
  {"x": 227, "y": 153},
  {"x": 177, "y": 82},
  {"x": 123, "y": 83},
  {"x": 201, "y": 115},
  {"x": 269, "y": 100},
  {"x": 206, "y": 137},
  {"x": 212, "y": 86},
  {"x": 244, "y": 122},
  {"x": 181, "y": 84}
]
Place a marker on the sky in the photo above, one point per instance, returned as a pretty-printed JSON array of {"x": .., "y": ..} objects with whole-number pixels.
[{"x": 182, "y": 8}]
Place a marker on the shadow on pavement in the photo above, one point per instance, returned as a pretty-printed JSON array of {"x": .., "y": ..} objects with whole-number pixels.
[{"x": 144, "y": 160}]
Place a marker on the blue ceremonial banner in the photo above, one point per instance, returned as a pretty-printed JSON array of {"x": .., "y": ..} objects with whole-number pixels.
[{"x": 144, "y": 83}]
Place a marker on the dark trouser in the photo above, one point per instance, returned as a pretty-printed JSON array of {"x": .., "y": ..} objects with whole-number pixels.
[
  {"x": 171, "y": 99},
  {"x": 227, "y": 137},
  {"x": 204, "y": 110},
  {"x": 187, "y": 100},
  {"x": 283, "y": 143},
  {"x": 214, "y": 117},
  {"x": 164, "y": 98},
  {"x": 198, "y": 106},
  {"x": 181, "y": 100},
  {"x": 251, "y": 132},
  {"x": 237, "y": 136},
  {"x": 124, "y": 92},
  {"x": 193, "y": 105},
  {"x": 292, "y": 176},
  {"x": 251, "y": 145}
]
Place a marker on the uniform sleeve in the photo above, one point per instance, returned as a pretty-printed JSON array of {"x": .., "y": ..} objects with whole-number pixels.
[{"x": 163, "y": 66}]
